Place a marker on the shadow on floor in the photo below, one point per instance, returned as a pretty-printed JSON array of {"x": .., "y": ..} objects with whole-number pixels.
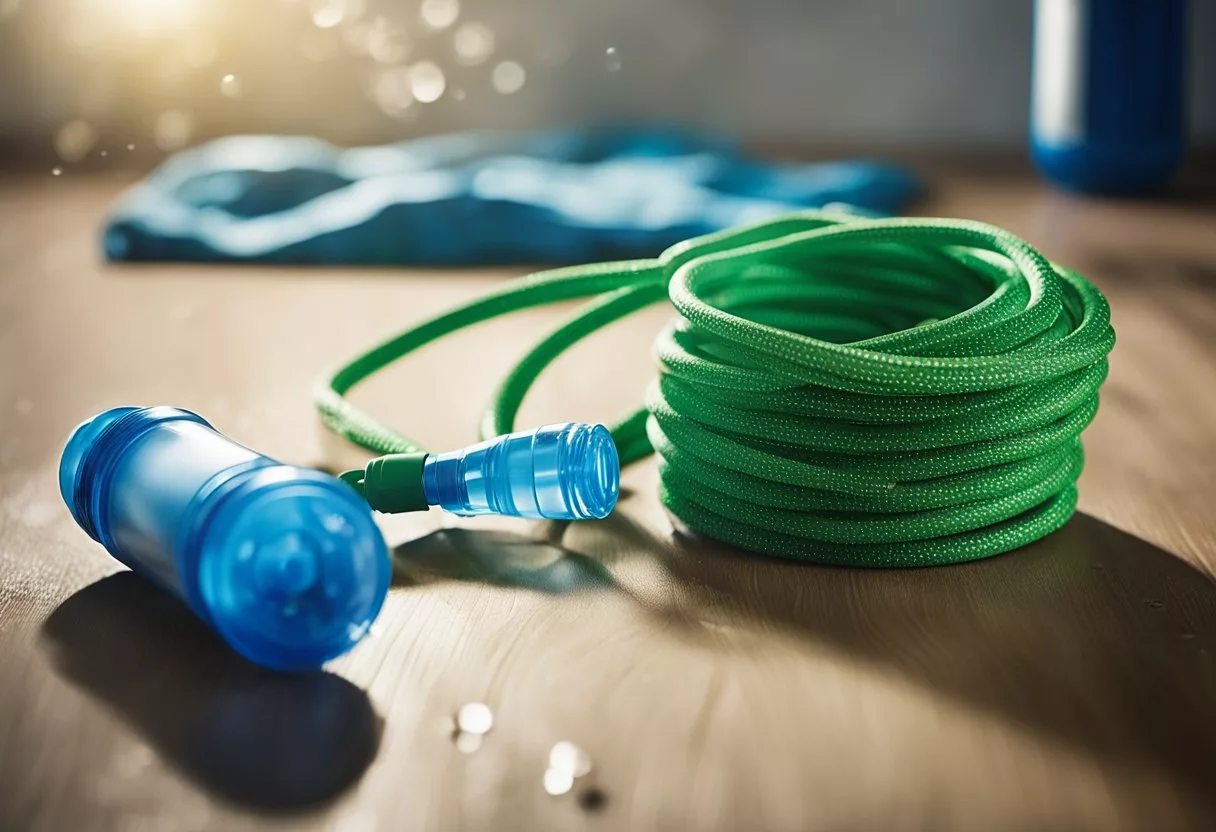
[
  {"x": 498, "y": 558},
  {"x": 1091, "y": 635},
  {"x": 274, "y": 742}
]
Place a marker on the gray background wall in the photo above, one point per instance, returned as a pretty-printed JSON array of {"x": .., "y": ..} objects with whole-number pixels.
[{"x": 872, "y": 73}]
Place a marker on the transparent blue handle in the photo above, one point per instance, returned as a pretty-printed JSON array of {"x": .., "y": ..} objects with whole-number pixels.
[
  {"x": 285, "y": 563},
  {"x": 559, "y": 472}
]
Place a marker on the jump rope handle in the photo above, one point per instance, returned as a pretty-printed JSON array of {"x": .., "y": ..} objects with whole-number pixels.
[{"x": 569, "y": 471}]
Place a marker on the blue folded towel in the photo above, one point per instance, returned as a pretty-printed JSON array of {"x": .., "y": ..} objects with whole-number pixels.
[{"x": 469, "y": 198}]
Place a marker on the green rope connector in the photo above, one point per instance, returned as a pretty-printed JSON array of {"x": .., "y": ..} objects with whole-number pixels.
[{"x": 391, "y": 484}]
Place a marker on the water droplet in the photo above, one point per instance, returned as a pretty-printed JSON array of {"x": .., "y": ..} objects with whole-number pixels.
[
  {"x": 56, "y": 171},
  {"x": 468, "y": 743},
  {"x": 74, "y": 140},
  {"x": 475, "y": 718},
  {"x": 426, "y": 82},
  {"x": 558, "y": 782},
  {"x": 230, "y": 86},
  {"x": 105, "y": 153},
  {"x": 130, "y": 147},
  {"x": 1154, "y": 604},
  {"x": 566, "y": 756},
  {"x": 474, "y": 43},
  {"x": 593, "y": 799},
  {"x": 612, "y": 59},
  {"x": 439, "y": 14},
  {"x": 173, "y": 129},
  {"x": 509, "y": 77}
]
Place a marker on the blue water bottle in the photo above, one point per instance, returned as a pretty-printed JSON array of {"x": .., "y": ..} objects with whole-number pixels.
[
  {"x": 1108, "y": 108},
  {"x": 285, "y": 563}
]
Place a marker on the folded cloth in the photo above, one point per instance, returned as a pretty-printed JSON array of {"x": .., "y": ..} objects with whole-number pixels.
[{"x": 470, "y": 198}]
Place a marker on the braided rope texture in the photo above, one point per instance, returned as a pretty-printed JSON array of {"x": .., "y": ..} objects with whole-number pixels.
[{"x": 890, "y": 392}]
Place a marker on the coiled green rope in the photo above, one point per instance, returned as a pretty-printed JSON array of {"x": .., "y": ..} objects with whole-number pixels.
[{"x": 894, "y": 392}]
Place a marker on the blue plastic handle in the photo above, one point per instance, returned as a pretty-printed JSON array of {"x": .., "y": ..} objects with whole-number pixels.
[
  {"x": 285, "y": 563},
  {"x": 558, "y": 472}
]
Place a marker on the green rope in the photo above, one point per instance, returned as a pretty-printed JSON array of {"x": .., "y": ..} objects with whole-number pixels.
[{"x": 894, "y": 392}]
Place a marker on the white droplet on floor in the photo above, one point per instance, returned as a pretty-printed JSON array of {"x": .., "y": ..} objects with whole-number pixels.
[
  {"x": 566, "y": 756},
  {"x": 468, "y": 743},
  {"x": 558, "y": 782},
  {"x": 475, "y": 718}
]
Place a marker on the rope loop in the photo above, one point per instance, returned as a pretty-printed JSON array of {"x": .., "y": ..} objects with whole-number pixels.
[{"x": 892, "y": 392}]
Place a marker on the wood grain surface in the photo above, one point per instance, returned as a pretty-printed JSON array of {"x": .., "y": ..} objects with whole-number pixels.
[{"x": 1070, "y": 685}]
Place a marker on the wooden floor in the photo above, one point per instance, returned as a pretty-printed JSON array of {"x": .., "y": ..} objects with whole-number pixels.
[{"x": 1070, "y": 685}]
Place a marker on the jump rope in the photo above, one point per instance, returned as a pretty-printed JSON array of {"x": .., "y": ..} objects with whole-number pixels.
[{"x": 862, "y": 392}]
